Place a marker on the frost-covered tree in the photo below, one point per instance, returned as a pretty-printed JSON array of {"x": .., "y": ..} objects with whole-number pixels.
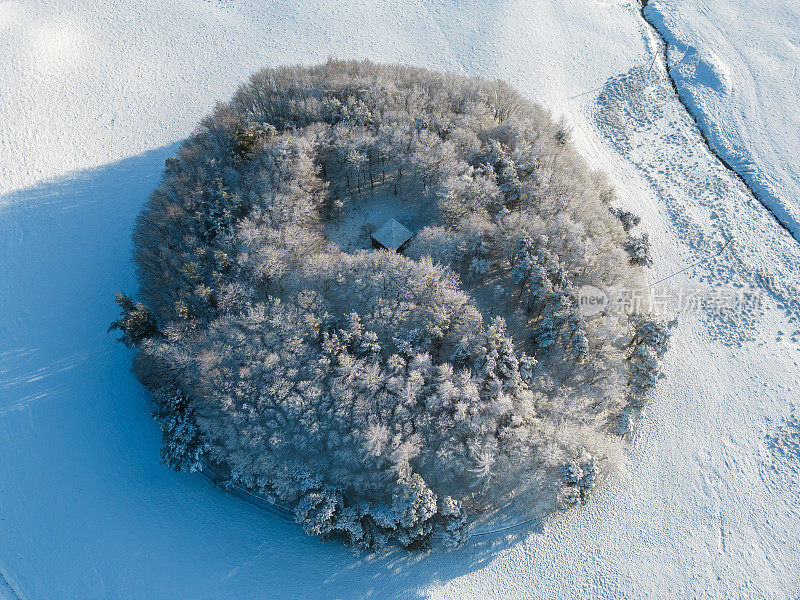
[
  {"x": 638, "y": 247},
  {"x": 387, "y": 396},
  {"x": 136, "y": 322},
  {"x": 183, "y": 446},
  {"x": 649, "y": 343},
  {"x": 578, "y": 480},
  {"x": 628, "y": 219}
]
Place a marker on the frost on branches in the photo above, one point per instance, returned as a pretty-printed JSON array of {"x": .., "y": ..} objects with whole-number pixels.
[
  {"x": 577, "y": 480},
  {"x": 384, "y": 396},
  {"x": 183, "y": 448}
]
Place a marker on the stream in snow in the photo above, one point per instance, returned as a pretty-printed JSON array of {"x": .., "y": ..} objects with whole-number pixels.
[{"x": 713, "y": 74}]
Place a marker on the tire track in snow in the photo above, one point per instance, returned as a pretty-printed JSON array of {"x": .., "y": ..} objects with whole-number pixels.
[{"x": 6, "y": 591}]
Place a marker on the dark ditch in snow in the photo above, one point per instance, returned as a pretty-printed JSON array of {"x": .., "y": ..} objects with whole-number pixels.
[{"x": 711, "y": 147}]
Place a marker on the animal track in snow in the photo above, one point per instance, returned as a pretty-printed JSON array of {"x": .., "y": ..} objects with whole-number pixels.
[
  {"x": 643, "y": 118},
  {"x": 780, "y": 467}
]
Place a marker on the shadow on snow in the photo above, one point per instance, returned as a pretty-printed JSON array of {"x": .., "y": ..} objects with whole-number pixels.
[{"x": 93, "y": 512}]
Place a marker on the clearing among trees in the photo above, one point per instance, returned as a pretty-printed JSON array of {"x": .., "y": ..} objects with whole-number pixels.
[{"x": 385, "y": 395}]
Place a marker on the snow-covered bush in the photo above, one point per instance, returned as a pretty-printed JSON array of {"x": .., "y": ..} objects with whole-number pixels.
[
  {"x": 183, "y": 447},
  {"x": 638, "y": 247},
  {"x": 578, "y": 480},
  {"x": 382, "y": 395}
]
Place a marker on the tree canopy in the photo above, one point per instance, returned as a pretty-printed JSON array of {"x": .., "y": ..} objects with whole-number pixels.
[{"x": 384, "y": 395}]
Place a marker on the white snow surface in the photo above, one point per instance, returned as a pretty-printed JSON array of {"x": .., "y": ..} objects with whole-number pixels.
[
  {"x": 736, "y": 64},
  {"x": 94, "y": 97}
]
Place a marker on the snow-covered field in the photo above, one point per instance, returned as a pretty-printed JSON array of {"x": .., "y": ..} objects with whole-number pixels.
[
  {"x": 736, "y": 63},
  {"x": 94, "y": 97}
]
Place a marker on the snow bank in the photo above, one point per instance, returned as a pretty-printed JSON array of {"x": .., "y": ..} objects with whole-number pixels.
[
  {"x": 703, "y": 67},
  {"x": 736, "y": 68}
]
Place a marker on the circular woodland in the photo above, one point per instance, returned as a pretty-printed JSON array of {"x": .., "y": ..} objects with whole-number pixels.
[{"x": 359, "y": 298}]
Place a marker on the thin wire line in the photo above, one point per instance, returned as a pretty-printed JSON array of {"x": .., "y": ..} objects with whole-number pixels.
[{"x": 699, "y": 262}]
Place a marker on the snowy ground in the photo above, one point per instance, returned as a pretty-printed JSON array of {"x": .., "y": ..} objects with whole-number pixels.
[
  {"x": 96, "y": 97},
  {"x": 736, "y": 63},
  {"x": 352, "y": 229}
]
